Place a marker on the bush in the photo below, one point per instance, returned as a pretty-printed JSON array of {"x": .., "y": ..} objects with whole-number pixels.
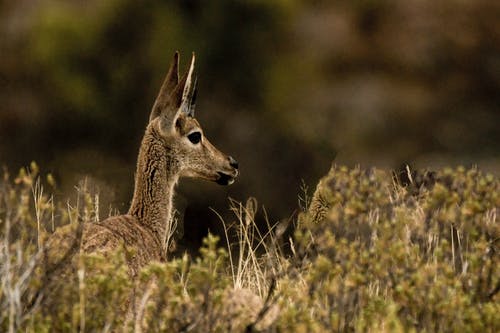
[
  {"x": 380, "y": 256},
  {"x": 369, "y": 254}
]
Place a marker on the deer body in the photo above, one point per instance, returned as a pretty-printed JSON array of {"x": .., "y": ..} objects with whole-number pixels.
[
  {"x": 173, "y": 146},
  {"x": 119, "y": 231}
]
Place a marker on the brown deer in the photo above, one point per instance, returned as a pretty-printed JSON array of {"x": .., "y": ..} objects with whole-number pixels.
[{"x": 173, "y": 146}]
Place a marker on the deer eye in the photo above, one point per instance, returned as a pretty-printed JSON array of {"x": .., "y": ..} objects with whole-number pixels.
[{"x": 194, "y": 137}]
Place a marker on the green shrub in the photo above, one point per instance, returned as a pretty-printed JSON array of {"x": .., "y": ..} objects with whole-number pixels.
[
  {"x": 368, "y": 255},
  {"x": 422, "y": 257}
]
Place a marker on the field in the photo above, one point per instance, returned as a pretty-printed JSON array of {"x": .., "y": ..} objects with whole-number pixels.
[{"x": 370, "y": 252}]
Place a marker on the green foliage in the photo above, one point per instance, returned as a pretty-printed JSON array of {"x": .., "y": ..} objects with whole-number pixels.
[
  {"x": 307, "y": 79},
  {"x": 424, "y": 257},
  {"x": 379, "y": 257}
]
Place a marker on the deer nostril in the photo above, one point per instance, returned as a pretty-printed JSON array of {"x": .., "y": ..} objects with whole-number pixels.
[{"x": 233, "y": 162}]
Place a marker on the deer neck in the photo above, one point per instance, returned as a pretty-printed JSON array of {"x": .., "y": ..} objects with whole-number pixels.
[{"x": 155, "y": 180}]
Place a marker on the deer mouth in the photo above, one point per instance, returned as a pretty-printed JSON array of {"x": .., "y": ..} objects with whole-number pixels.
[{"x": 224, "y": 179}]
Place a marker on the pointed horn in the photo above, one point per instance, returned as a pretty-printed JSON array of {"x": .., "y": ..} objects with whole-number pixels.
[
  {"x": 169, "y": 84},
  {"x": 192, "y": 98},
  {"x": 181, "y": 96},
  {"x": 187, "y": 86},
  {"x": 187, "y": 92}
]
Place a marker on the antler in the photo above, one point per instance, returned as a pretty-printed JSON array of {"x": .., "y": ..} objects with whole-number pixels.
[{"x": 189, "y": 92}]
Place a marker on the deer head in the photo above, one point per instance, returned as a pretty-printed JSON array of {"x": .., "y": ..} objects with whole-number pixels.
[{"x": 172, "y": 119}]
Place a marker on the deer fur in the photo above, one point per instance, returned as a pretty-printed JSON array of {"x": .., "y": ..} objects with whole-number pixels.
[
  {"x": 167, "y": 153},
  {"x": 319, "y": 205}
]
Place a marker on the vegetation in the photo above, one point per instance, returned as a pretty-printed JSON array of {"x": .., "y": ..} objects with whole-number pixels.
[
  {"x": 371, "y": 252},
  {"x": 383, "y": 83},
  {"x": 372, "y": 82}
]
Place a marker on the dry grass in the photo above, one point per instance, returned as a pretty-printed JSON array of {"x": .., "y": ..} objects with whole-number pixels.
[{"x": 368, "y": 255}]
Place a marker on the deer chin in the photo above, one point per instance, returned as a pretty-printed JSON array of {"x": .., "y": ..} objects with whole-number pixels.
[{"x": 224, "y": 179}]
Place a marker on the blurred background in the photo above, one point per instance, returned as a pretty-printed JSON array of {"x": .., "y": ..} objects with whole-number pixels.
[{"x": 285, "y": 86}]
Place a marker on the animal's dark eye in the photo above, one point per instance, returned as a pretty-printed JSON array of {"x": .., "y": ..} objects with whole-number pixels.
[{"x": 194, "y": 137}]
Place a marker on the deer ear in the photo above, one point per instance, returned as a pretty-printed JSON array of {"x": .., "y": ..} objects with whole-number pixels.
[
  {"x": 180, "y": 100},
  {"x": 169, "y": 84}
]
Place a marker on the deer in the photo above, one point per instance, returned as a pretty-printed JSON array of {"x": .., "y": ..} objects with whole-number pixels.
[{"x": 173, "y": 146}]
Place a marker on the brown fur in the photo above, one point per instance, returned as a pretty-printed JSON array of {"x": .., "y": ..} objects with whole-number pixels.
[
  {"x": 319, "y": 206},
  {"x": 166, "y": 154}
]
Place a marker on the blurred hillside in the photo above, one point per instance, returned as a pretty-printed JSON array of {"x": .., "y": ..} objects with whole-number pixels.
[{"x": 285, "y": 87}]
